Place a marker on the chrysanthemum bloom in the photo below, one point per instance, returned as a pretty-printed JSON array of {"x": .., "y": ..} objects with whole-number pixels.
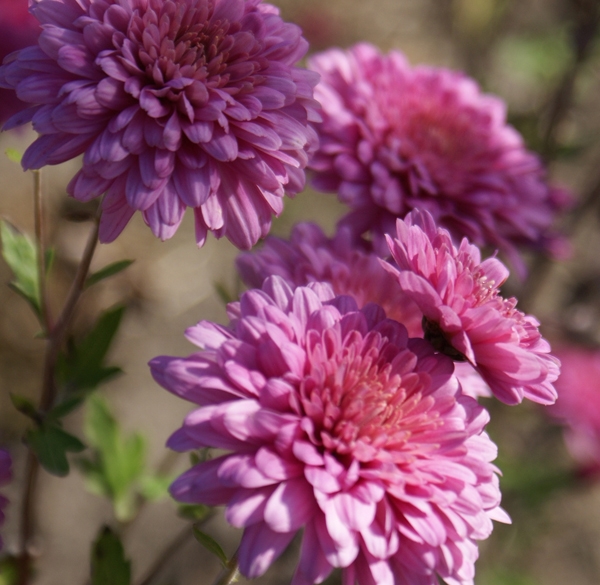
[
  {"x": 5, "y": 477},
  {"x": 310, "y": 256},
  {"x": 338, "y": 423},
  {"x": 578, "y": 404},
  {"x": 174, "y": 104},
  {"x": 18, "y": 29},
  {"x": 397, "y": 138},
  {"x": 465, "y": 316}
]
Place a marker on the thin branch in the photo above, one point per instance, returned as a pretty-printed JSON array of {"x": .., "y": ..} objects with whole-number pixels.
[
  {"x": 587, "y": 22},
  {"x": 59, "y": 330},
  {"x": 180, "y": 539},
  {"x": 55, "y": 338}
]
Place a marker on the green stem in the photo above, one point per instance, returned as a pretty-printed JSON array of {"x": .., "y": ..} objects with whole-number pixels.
[
  {"x": 231, "y": 572},
  {"x": 39, "y": 216},
  {"x": 56, "y": 335}
]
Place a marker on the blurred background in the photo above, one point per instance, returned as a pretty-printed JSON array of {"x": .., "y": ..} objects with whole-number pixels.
[{"x": 543, "y": 58}]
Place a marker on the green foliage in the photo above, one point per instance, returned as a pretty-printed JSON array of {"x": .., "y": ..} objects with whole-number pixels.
[
  {"x": 107, "y": 271},
  {"x": 25, "y": 406},
  {"x": 13, "y": 155},
  {"x": 8, "y": 571},
  {"x": 50, "y": 444},
  {"x": 117, "y": 467},
  {"x": 82, "y": 369},
  {"x": 195, "y": 512},
  {"x": 540, "y": 58},
  {"x": 118, "y": 462},
  {"x": 109, "y": 565},
  {"x": 154, "y": 487},
  {"x": 210, "y": 544},
  {"x": 20, "y": 254}
]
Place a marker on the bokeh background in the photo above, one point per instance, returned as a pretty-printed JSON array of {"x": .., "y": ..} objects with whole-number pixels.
[{"x": 543, "y": 58}]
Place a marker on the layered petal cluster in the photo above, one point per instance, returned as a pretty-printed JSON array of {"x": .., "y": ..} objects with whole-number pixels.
[
  {"x": 464, "y": 314},
  {"x": 310, "y": 256},
  {"x": 334, "y": 421},
  {"x": 5, "y": 477},
  {"x": 174, "y": 104},
  {"x": 578, "y": 404},
  {"x": 397, "y": 138},
  {"x": 18, "y": 29}
]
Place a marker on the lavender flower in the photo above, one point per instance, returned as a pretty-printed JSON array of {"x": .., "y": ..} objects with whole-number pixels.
[
  {"x": 396, "y": 138},
  {"x": 18, "y": 29},
  {"x": 174, "y": 104}
]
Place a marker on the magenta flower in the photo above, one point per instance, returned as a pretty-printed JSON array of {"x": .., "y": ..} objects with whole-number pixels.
[
  {"x": 18, "y": 29},
  {"x": 464, "y": 315},
  {"x": 335, "y": 422},
  {"x": 5, "y": 477},
  {"x": 310, "y": 256},
  {"x": 396, "y": 138},
  {"x": 578, "y": 404},
  {"x": 174, "y": 104}
]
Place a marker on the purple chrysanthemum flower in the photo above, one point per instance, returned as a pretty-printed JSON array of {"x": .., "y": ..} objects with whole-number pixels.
[
  {"x": 336, "y": 422},
  {"x": 396, "y": 138},
  {"x": 310, "y": 256},
  {"x": 18, "y": 29},
  {"x": 5, "y": 477},
  {"x": 175, "y": 104},
  {"x": 464, "y": 314},
  {"x": 578, "y": 405}
]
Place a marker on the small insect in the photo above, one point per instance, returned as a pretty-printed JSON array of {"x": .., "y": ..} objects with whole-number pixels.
[{"x": 434, "y": 334}]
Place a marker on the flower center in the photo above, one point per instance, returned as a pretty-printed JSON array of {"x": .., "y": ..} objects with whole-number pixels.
[{"x": 355, "y": 396}]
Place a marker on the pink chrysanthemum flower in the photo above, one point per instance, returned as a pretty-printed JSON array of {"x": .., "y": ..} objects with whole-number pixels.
[
  {"x": 5, "y": 477},
  {"x": 578, "y": 404},
  {"x": 175, "y": 104},
  {"x": 338, "y": 423},
  {"x": 310, "y": 256},
  {"x": 464, "y": 314},
  {"x": 397, "y": 138},
  {"x": 18, "y": 29}
]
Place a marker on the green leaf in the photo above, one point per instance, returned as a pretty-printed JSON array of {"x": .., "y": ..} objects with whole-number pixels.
[
  {"x": 82, "y": 368},
  {"x": 65, "y": 406},
  {"x": 119, "y": 461},
  {"x": 25, "y": 406},
  {"x": 210, "y": 544},
  {"x": 155, "y": 487},
  {"x": 109, "y": 566},
  {"x": 14, "y": 155},
  {"x": 20, "y": 254},
  {"x": 107, "y": 271},
  {"x": 193, "y": 512},
  {"x": 50, "y": 445}
]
